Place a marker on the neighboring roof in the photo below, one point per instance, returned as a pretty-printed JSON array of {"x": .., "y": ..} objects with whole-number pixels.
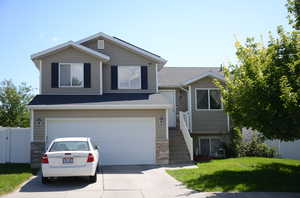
[
  {"x": 126, "y": 45},
  {"x": 105, "y": 101},
  {"x": 70, "y": 44},
  {"x": 181, "y": 76}
]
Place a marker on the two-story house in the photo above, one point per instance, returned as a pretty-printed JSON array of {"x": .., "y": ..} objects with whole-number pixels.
[{"x": 122, "y": 96}]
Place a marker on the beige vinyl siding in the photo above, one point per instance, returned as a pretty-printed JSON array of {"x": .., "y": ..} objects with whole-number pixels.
[
  {"x": 41, "y": 115},
  {"x": 123, "y": 57},
  {"x": 207, "y": 121},
  {"x": 70, "y": 55}
]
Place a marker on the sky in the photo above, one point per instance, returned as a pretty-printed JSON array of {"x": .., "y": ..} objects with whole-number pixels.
[{"x": 187, "y": 33}]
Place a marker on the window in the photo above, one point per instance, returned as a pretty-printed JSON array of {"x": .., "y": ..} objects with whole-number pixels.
[
  {"x": 208, "y": 146},
  {"x": 71, "y": 75},
  {"x": 129, "y": 77},
  {"x": 70, "y": 146},
  {"x": 208, "y": 99}
]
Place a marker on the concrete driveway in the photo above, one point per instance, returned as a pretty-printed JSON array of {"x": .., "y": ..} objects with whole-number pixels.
[{"x": 126, "y": 182}]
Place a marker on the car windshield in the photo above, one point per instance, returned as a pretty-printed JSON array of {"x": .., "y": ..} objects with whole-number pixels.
[{"x": 70, "y": 146}]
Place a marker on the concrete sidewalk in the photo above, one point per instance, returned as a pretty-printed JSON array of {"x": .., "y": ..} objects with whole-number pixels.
[{"x": 127, "y": 182}]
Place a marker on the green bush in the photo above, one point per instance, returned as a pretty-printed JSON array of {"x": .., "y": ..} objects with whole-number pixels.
[
  {"x": 233, "y": 149},
  {"x": 255, "y": 147}
]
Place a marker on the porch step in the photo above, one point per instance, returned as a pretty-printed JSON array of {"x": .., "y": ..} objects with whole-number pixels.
[{"x": 179, "y": 153}]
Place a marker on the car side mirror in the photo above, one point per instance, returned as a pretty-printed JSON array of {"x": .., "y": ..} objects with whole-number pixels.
[{"x": 97, "y": 147}]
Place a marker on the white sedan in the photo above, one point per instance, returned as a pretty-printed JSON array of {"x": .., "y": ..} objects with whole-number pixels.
[{"x": 68, "y": 157}]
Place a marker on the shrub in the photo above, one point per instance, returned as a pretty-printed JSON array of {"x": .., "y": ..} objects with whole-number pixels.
[
  {"x": 255, "y": 147},
  {"x": 233, "y": 149}
]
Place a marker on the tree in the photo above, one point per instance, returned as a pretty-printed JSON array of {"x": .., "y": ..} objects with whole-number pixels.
[
  {"x": 293, "y": 7},
  {"x": 13, "y": 101},
  {"x": 262, "y": 91}
]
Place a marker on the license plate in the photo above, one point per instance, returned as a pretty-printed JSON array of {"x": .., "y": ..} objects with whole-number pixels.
[{"x": 68, "y": 160}]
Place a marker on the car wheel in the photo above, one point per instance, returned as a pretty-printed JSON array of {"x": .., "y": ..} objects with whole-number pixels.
[
  {"x": 44, "y": 180},
  {"x": 93, "y": 178}
]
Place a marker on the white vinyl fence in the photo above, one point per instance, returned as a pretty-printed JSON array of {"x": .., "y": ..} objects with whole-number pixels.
[
  {"x": 288, "y": 150},
  {"x": 15, "y": 145}
]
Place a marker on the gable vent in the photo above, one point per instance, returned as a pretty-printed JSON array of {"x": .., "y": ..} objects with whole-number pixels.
[{"x": 100, "y": 44}]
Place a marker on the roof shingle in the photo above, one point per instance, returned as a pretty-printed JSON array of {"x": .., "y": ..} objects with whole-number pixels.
[{"x": 177, "y": 76}]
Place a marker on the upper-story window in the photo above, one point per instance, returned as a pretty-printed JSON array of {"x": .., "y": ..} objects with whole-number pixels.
[
  {"x": 71, "y": 75},
  {"x": 129, "y": 77},
  {"x": 208, "y": 99}
]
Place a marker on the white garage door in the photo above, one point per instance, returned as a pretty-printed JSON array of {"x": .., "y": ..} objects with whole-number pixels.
[{"x": 121, "y": 140}]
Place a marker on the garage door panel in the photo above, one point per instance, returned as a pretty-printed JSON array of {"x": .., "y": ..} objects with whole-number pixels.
[{"x": 121, "y": 140}]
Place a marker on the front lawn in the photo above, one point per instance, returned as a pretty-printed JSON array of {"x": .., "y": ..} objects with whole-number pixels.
[
  {"x": 242, "y": 174},
  {"x": 12, "y": 175}
]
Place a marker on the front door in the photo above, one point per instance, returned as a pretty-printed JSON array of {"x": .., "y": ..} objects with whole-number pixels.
[{"x": 171, "y": 97}]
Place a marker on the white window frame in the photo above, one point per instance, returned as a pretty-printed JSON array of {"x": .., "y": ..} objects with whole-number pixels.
[
  {"x": 209, "y": 141},
  {"x": 71, "y": 86},
  {"x": 208, "y": 95},
  {"x": 140, "y": 80}
]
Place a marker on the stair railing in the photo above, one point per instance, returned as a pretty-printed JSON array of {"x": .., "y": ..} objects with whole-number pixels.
[{"x": 184, "y": 123}]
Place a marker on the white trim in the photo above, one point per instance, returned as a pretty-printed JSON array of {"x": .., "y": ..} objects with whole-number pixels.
[
  {"x": 156, "y": 77},
  {"x": 72, "y": 44},
  {"x": 71, "y": 86},
  {"x": 190, "y": 107},
  {"x": 101, "y": 78},
  {"x": 128, "y": 46},
  {"x": 171, "y": 90},
  {"x": 121, "y": 106},
  {"x": 170, "y": 86},
  {"x": 208, "y": 95},
  {"x": 129, "y": 81},
  {"x": 206, "y": 74},
  {"x": 167, "y": 124},
  {"x": 40, "y": 76}
]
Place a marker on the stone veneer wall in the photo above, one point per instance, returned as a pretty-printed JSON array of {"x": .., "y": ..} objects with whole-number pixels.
[
  {"x": 162, "y": 151},
  {"x": 37, "y": 149}
]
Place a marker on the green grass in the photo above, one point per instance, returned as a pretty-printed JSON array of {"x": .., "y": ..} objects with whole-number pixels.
[
  {"x": 242, "y": 174},
  {"x": 12, "y": 175}
]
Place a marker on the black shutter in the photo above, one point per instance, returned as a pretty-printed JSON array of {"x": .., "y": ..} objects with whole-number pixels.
[
  {"x": 114, "y": 77},
  {"x": 87, "y": 75},
  {"x": 144, "y": 77},
  {"x": 54, "y": 75}
]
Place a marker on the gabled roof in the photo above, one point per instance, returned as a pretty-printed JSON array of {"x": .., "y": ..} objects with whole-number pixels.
[
  {"x": 126, "y": 45},
  {"x": 182, "y": 76},
  {"x": 71, "y": 44},
  {"x": 204, "y": 75}
]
